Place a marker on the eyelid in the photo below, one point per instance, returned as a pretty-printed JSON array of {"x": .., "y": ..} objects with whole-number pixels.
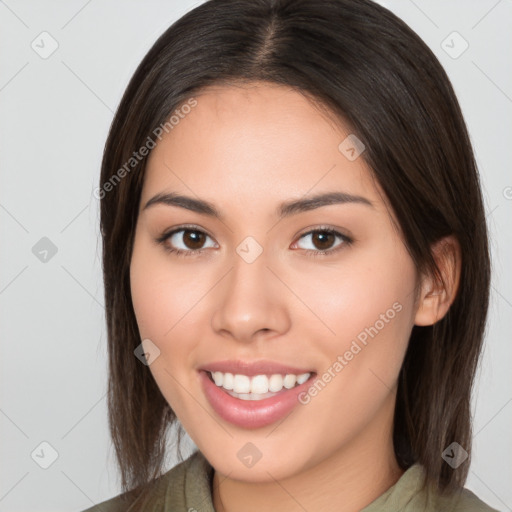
[
  {"x": 346, "y": 239},
  {"x": 184, "y": 227},
  {"x": 324, "y": 227}
]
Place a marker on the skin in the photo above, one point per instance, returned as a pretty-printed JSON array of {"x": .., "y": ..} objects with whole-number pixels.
[{"x": 246, "y": 150}]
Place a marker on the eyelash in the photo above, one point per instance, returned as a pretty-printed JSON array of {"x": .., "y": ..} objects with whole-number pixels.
[{"x": 193, "y": 252}]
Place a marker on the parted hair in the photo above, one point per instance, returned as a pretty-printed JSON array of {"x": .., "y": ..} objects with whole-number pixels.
[{"x": 369, "y": 69}]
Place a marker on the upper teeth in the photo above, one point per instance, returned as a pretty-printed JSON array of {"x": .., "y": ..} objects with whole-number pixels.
[{"x": 258, "y": 383}]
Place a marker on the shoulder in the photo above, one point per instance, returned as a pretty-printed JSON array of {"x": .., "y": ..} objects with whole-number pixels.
[
  {"x": 463, "y": 501},
  {"x": 410, "y": 495},
  {"x": 167, "y": 491}
]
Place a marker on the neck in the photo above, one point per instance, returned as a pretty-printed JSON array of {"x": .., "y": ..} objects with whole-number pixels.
[{"x": 347, "y": 481}]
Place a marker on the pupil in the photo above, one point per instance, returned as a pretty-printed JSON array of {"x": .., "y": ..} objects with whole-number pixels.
[
  {"x": 196, "y": 239},
  {"x": 323, "y": 236}
]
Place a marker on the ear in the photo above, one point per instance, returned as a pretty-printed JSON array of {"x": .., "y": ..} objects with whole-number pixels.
[{"x": 436, "y": 296}]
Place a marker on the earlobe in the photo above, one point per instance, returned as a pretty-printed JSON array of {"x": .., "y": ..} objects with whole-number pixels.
[{"x": 437, "y": 295}]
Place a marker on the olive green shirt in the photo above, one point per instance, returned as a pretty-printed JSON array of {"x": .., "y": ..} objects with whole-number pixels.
[{"x": 187, "y": 487}]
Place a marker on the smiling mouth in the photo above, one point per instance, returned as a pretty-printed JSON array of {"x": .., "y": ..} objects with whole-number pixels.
[{"x": 257, "y": 387}]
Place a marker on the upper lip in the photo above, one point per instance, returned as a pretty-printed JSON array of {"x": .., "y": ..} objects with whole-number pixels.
[{"x": 251, "y": 368}]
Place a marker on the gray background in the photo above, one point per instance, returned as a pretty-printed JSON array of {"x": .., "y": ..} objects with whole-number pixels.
[{"x": 55, "y": 114}]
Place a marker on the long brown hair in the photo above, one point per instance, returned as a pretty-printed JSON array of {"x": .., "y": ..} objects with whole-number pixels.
[{"x": 367, "y": 67}]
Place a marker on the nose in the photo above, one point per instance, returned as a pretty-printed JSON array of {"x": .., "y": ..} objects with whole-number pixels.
[{"x": 251, "y": 301}]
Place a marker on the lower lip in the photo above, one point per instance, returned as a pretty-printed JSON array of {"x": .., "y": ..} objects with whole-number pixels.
[{"x": 251, "y": 413}]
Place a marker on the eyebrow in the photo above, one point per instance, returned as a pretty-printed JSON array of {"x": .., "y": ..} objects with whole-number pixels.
[{"x": 285, "y": 209}]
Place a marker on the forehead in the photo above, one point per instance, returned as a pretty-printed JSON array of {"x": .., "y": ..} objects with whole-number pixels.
[{"x": 257, "y": 142}]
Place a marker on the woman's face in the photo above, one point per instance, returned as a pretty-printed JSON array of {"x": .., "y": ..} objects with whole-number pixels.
[{"x": 261, "y": 289}]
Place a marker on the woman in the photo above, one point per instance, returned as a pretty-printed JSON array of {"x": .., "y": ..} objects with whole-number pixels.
[{"x": 296, "y": 265}]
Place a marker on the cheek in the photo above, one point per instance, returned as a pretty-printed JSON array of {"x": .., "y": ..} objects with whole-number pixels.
[
  {"x": 368, "y": 305},
  {"x": 161, "y": 293},
  {"x": 370, "y": 308},
  {"x": 353, "y": 296},
  {"x": 161, "y": 298},
  {"x": 376, "y": 339}
]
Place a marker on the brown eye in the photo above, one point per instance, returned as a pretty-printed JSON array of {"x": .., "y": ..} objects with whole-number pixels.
[
  {"x": 193, "y": 239},
  {"x": 323, "y": 241},
  {"x": 185, "y": 241}
]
